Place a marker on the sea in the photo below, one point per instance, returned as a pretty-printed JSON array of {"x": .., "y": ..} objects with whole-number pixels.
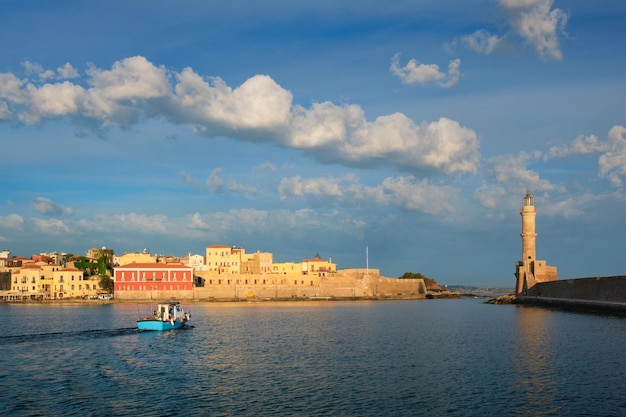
[{"x": 457, "y": 357}]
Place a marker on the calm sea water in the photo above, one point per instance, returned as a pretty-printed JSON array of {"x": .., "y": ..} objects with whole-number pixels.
[{"x": 385, "y": 358}]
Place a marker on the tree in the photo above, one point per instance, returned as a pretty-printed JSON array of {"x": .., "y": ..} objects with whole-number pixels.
[
  {"x": 418, "y": 275},
  {"x": 102, "y": 266},
  {"x": 106, "y": 283}
]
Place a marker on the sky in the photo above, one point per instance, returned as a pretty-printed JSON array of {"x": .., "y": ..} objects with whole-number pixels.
[{"x": 394, "y": 135}]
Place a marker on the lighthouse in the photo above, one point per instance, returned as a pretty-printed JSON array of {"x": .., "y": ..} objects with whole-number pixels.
[
  {"x": 529, "y": 271},
  {"x": 529, "y": 235}
]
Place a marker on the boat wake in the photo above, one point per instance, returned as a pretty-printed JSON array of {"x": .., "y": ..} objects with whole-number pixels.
[{"x": 44, "y": 337}]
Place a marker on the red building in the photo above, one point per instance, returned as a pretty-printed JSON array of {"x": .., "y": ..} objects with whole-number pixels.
[{"x": 153, "y": 276}]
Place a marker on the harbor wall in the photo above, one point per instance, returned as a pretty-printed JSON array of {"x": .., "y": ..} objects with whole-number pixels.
[
  {"x": 599, "y": 293},
  {"x": 347, "y": 283}
]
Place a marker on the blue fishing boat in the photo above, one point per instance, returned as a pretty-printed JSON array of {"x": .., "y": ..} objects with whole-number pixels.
[{"x": 167, "y": 316}]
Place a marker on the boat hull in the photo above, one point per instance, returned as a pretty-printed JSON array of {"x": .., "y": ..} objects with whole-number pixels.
[{"x": 159, "y": 325}]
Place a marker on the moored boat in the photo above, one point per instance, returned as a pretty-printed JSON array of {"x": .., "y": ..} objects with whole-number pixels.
[{"x": 167, "y": 316}]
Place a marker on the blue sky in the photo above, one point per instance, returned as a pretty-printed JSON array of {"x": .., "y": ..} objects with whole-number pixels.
[{"x": 413, "y": 129}]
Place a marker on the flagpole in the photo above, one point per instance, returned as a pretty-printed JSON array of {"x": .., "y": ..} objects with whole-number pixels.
[{"x": 367, "y": 260}]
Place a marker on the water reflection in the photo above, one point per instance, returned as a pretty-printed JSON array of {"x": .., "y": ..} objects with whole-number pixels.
[{"x": 534, "y": 360}]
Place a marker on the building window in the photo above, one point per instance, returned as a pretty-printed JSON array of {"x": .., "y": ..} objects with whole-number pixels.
[
  {"x": 72, "y": 287},
  {"x": 61, "y": 278}
]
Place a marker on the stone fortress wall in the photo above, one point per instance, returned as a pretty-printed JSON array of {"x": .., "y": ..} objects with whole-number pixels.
[{"x": 347, "y": 283}]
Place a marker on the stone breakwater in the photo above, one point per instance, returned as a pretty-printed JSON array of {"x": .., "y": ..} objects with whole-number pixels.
[{"x": 601, "y": 294}]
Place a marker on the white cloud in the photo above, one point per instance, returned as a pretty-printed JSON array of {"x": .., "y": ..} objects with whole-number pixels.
[
  {"x": 257, "y": 110},
  {"x": 538, "y": 24},
  {"x": 51, "y": 226},
  {"x": 404, "y": 192},
  {"x": 67, "y": 71},
  {"x": 214, "y": 181},
  {"x": 534, "y": 21},
  {"x": 189, "y": 180},
  {"x": 11, "y": 90},
  {"x": 259, "y": 103},
  {"x": 12, "y": 221},
  {"x": 133, "y": 222},
  {"x": 267, "y": 165},
  {"x": 341, "y": 134},
  {"x": 324, "y": 125},
  {"x": 64, "y": 72},
  {"x": 118, "y": 95},
  {"x": 48, "y": 207},
  {"x": 482, "y": 41},
  {"x": 582, "y": 145},
  {"x": 51, "y": 100},
  {"x": 243, "y": 189},
  {"x": 612, "y": 163},
  {"x": 197, "y": 222},
  {"x": 511, "y": 171},
  {"x": 415, "y": 73}
]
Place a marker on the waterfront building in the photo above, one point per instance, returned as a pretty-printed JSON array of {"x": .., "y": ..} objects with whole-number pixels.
[
  {"x": 257, "y": 263},
  {"x": 318, "y": 266},
  {"x": 196, "y": 261},
  {"x": 108, "y": 254},
  {"x": 135, "y": 257},
  {"x": 287, "y": 268},
  {"x": 224, "y": 259},
  {"x": 69, "y": 283},
  {"x": 25, "y": 281},
  {"x": 529, "y": 271},
  {"x": 136, "y": 278}
]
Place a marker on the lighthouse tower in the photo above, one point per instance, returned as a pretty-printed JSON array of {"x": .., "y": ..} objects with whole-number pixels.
[
  {"x": 529, "y": 236},
  {"x": 529, "y": 270}
]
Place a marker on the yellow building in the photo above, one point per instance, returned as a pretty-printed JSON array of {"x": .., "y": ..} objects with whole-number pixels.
[
  {"x": 287, "y": 268},
  {"x": 137, "y": 257},
  {"x": 257, "y": 263},
  {"x": 318, "y": 266},
  {"x": 46, "y": 283},
  {"x": 224, "y": 259},
  {"x": 69, "y": 283},
  {"x": 26, "y": 280}
]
